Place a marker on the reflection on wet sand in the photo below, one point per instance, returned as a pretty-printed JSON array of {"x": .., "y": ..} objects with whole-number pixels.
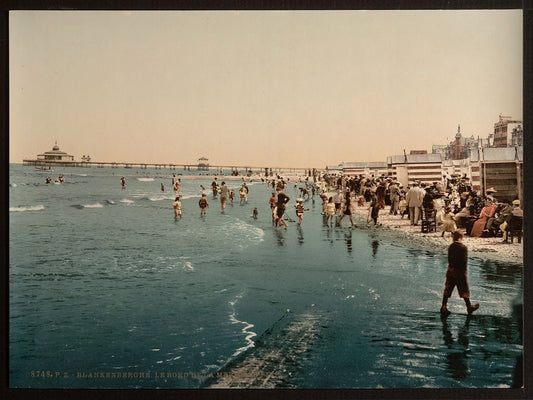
[{"x": 456, "y": 359}]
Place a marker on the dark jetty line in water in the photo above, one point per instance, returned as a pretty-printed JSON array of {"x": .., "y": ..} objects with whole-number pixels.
[{"x": 278, "y": 350}]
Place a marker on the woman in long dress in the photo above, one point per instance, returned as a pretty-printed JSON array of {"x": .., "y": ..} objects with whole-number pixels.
[{"x": 486, "y": 213}]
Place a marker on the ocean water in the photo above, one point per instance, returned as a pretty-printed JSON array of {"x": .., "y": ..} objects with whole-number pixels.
[{"x": 107, "y": 290}]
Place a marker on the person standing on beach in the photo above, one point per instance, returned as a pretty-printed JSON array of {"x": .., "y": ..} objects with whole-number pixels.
[
  {"x": 273, "y": 202},
  {"x": 300, "y": 210},
  {"x": 283, "y": 199},
  {"x": 394, "y": 197},
  {"x": 456, "y": 275},
  {"x": 231, "y": 196},
  {"x": 203, "y": 204},
  {"x": 414, "y": 199},
  {"x": 224, "y": 192},
  {"x": 330, "y": 211},
  {"x": 337, "y": 199},
  {"x": 214, "y": 186},
  {"x": 243, "y": 193},
  {"x": 347, "y": 209},
  {"x": 177, "y": 207},
  {"x": 177, "y": 185},
  {"x": 374, "y": 207}
]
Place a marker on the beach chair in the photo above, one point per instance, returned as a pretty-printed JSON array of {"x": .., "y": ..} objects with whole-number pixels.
[
  {"x": 429, "y": 220},
  {"x": 514, "y": 228}
]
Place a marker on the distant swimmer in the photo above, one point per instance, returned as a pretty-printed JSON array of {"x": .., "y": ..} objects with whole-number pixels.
[
  {"x": 203, "y": 204},
  {"x": 255, "y": 213},
  {"x": 224, "y": 192},
  {"x": 123, "y": 183},
  {"x": 48, "y": 179},
  {"x": 61, "y": 178},
  {"x": 300, "y": 210},
  {"x": 177, "y": 207},
  {"x": 204, "y": 192},
  {"x": 162, "y": 187}
]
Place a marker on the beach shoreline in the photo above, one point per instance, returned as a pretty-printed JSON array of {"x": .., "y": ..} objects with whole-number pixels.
[{"x": 402, "y": 232}]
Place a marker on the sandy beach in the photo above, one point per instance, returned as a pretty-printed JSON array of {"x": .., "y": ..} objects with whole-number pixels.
[{"x": 401, "y": 231}]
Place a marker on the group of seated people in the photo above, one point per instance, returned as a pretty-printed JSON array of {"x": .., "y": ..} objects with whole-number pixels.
[
  {"x": 479, "y": 216},
  {"x": 495, "y": 217}
]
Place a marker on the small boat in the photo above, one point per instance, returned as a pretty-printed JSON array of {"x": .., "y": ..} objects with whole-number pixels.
[{"x": 44, "y": 169}]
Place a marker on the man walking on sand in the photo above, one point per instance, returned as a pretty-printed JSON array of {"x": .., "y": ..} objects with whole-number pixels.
[{"x": 456, "y": 275}]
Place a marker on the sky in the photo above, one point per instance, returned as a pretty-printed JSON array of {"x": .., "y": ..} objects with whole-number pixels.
[{"x": 258, "y": 88}]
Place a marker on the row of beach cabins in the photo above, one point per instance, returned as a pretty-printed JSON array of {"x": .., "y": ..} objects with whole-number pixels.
[{"x": 500, "y": 168}]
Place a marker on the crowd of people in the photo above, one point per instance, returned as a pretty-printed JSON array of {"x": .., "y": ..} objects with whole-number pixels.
[{"x": 450, "y": 206}]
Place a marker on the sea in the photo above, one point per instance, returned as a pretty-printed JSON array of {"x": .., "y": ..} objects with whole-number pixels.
[{"x": 108, "y": 290}]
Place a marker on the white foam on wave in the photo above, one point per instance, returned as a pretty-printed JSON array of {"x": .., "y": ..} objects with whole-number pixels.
[
  {"x": 127, "y": 201},
  {"x": 239, "y": 230},
  {"x": 190, "y": 196},
  {"x": 30, "y": 208},
  {"x": 187, "y": 266},
  {"x": 160, "y": 197},
  {"x": 145, "y": 179},
  {"x": 245, "y": 330},
  {"x": 13, "y": 185},
  {"x": 95, "y": 205}
]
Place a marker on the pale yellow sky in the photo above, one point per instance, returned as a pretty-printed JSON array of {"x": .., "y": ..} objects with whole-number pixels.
[{"x": 258, "y": 88}]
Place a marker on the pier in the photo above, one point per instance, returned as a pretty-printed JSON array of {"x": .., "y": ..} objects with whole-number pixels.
[{"x": 169, "y": 166}]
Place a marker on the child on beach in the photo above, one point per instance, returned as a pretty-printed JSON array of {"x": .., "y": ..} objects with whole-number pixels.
[
  {"x": 374, "y": 207},
  {"x": 231, "y": 196},
  {"x": 300, "y": 210},
  {"x": 203, "y": 204},
  {"x": 177, "y": 207},
  {"x": 448, "y": 221},
  {"x": 242, "y": 194},
  {"x": 273, "y": 202}
]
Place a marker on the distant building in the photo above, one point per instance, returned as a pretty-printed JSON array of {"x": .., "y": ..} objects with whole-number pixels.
[
  {"x": 501, "y": 169},
  {"x": 503, "y": 132},
  {"x": 461, "y": 147},
  {"x": 334, "y": 169},
  {"x": 203, "y": 164},
  {"x": 55, "y": 155},
  {"x": 407, "y": 168},
  {"x": 369, "y": 168}
]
